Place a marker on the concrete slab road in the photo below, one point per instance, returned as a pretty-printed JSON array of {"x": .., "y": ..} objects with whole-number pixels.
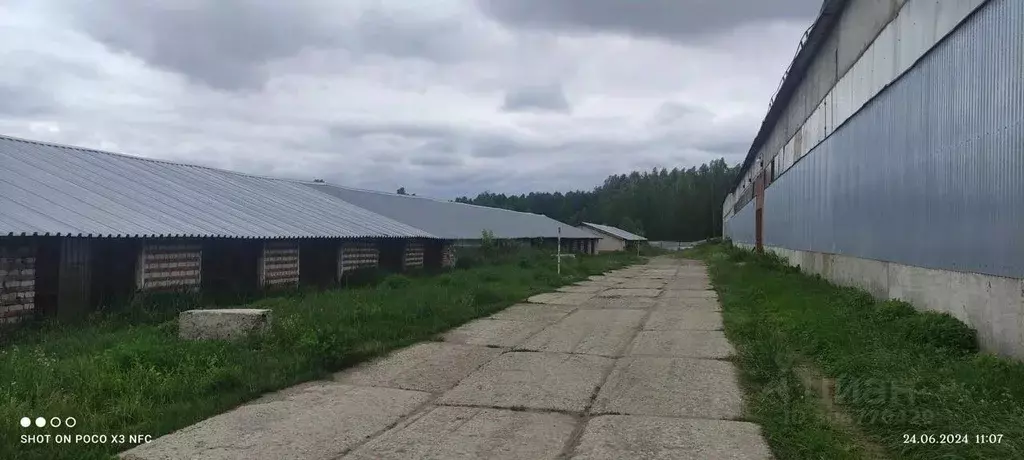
[{"x": 627, "y": 365}]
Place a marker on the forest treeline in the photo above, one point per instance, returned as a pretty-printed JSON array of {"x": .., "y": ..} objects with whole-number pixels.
[{"x": 672, "y": 205}]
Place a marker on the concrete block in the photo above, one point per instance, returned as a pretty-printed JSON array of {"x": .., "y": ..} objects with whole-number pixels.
[
  {"x": 630, "y": 293},
  {"x": 688, "y": 303},
  {"x": 690, "y": 294},
  {"x": 692, "y": 283},
  {"x": 472, "y": 433},
  {"x": 642, "y": 283},
  {"x": 223, "y": 324},
  {"x": 594, "y": 332},
  {"x": 671, "y": 387},
  {"x": 588, "y": 283},
  {"x": 682, "y": 343},
  {"x": 658, "y": 274},
  {"x": 552, "y": 381},
  {"x": 614, "y": 437},
  {"x": 535, "y": 312},
  {"x": 581, "y": 289},
  {"x": 317, "y": 421},
  {"x": 427, "y": 366},
  {"x": 679, "y": 319},
  {"x": 561, "y": 298},
  {"x": 494, "y": 332},
  {"x": 639, "y": 303},
  {"x": 693, "y": 270}
]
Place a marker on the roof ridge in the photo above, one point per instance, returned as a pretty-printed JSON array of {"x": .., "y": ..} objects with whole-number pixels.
[
  {"x": 134, "y": 157},
  {"x": 439, "y": 200}
]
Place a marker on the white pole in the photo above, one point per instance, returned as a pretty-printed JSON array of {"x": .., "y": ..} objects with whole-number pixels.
[{"x": 559, "y": 254}]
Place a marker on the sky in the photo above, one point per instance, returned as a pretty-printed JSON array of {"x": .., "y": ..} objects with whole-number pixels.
[{"x": 443, "y": 97}]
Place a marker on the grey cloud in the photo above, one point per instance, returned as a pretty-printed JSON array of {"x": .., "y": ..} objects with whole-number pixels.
[
  {"x": 737, "y": 146},
  {"x": 435, "y": 160},
  {"x": 414, "y": 130},
  {"x": 674, "y": 112},
  {"x": 437, "y": 153},
  {"x": 442, "y": 40},
  {"x": 221, "y": 44},
  {"x": 536, "y": 98},
  {"x": 434, "y": 138},
  {"x": 25, "y": 100},
  {"x": 226, "y": 44},
  {"x": 671, "y": 19},
  {"x": 496, "y": 148}
]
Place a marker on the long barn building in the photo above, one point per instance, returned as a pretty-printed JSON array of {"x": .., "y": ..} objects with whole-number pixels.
[
  {"x": 892, "y": 159},
  {"x": 82, "y": 229}
]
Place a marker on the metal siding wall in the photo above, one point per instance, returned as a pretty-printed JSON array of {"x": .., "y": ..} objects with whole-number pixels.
[
  {"x": 931, "y": 173},
  {"x": 170, "y": 266},
  {"x": 740, "y": 228},
  {"x": 17, "y": 282},
  {"x": 279, "y": 265}
]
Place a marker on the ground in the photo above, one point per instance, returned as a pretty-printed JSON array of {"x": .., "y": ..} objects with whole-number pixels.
[{"x": 630, "y": 364}]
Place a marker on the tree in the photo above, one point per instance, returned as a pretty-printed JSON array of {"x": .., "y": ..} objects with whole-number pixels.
[
  {"x": 681, "y": 204},
  {"x": 401, "y": 191}
]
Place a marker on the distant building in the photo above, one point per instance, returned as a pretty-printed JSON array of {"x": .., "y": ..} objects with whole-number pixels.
[
  {"x": 465, "y": 223},
  {"x": 892, "y": 159},
  {"x": 613, "y": 238}
]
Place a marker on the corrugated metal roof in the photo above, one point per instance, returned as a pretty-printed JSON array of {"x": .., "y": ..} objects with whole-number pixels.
[
  {"x": 616, "y": 232},
  {"x": 454, "y": 220},
  {"x": 48, "y": 189}
]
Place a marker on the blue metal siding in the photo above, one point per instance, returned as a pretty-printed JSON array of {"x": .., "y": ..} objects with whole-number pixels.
[
  {"x": 740, "y": 227},
  {"x": 931, "y": 172}
]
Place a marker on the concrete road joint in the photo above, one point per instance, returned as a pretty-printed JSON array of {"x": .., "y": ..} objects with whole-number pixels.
[
  {"x": 573, "y": 442},
  {"x": 420, "y": 411}
]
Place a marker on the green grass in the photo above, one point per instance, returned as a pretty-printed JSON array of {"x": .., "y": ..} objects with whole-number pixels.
[
  {"x": 830, "y": 372},
  {"x": 118, "y": 376}
]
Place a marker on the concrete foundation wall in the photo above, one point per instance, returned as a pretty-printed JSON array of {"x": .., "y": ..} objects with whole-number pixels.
[
  {"x": 17, "y": 282},
  {"x": 169, "y": 266},
  {"x": 279, "y": 264},
  {"x": 992, "y": 305}
]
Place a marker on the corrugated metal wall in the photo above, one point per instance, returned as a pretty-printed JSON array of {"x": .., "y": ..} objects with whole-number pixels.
[
  {"x": 279, "y": 264},
  {"x": 357, "y": 254},
  {"x": 413, "y": 255},
  {"x": 170, "y": 266},
  {"x": 17, "y": 282},
  {"x": 916, "y": 28},
  {"x": 931, "y": 173},
  {"x": 740, "y": 228}
]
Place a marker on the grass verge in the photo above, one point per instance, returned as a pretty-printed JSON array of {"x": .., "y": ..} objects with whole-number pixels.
[
  {"x": 830, "y": 372},
  {"x": 118, "y": 377}
]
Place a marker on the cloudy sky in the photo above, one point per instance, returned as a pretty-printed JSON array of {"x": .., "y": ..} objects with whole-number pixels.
[{"x": 443, "y": 97}]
